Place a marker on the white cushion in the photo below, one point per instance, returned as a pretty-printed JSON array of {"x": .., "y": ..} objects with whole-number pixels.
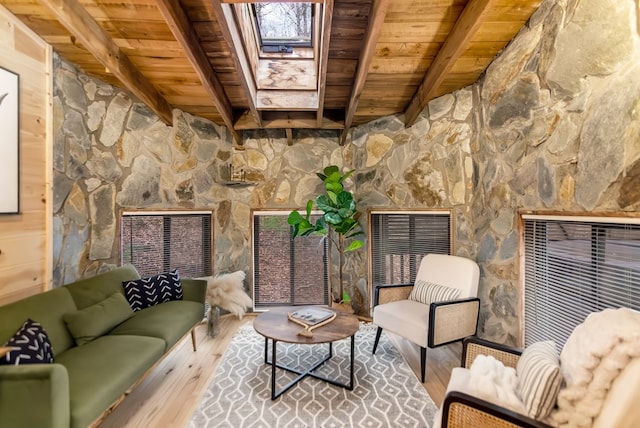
[
  {"x": 427, "y": 292},
  {"x": 539, "y": 378},
  {"x": 406, "y": 318}
]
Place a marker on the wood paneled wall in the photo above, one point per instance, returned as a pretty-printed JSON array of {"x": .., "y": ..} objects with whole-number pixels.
[{"x": 25, "y": 243}]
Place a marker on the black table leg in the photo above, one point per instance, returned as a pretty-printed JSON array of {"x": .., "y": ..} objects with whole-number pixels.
[
  {"x": 309, "y": 372},
  {"x": 266, "y": 348},
  {"x": 273, "y": 371}
]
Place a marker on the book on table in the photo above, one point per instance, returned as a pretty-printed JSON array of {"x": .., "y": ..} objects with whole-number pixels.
[{"x": 311, "y": 315}]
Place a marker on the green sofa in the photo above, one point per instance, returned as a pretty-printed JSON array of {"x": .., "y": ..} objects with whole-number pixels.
[{"x": 87, "y": 380}]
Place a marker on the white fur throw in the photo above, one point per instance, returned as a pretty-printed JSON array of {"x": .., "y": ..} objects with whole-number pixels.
[
  {"x": 227, "y": 292},
  {"x": 595, "y": 353},
  {"x": 490, "y": 380}
]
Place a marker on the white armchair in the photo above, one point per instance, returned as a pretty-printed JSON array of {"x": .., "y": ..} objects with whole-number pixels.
[
  {"x": 441, "y": 307},
  {"x": 594, "y": 382}
]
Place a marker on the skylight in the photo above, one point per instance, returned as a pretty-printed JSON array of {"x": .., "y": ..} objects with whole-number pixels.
[{"x": 284, "y": 25}]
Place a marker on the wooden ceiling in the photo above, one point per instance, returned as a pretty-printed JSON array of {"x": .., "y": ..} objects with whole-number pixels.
[{"x": 375, "y": 57}]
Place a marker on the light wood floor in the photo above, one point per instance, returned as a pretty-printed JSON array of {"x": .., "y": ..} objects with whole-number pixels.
[{"x": 170, "y": 394}]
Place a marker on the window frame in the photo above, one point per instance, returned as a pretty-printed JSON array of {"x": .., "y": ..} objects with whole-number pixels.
[
  {"x": 208, "y": 242},
  {"x": 283, "y": 45},
  {"x": 606, "y": 223},
  {"x": 412, "y": 212},
  {"x": 258, "y": 306}
]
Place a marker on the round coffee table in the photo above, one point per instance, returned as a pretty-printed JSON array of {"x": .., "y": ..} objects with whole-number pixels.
[{"x": 275, "y": 325}]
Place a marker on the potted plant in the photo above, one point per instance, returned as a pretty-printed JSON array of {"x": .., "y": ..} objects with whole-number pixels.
[{"x": 338, "y": 223}]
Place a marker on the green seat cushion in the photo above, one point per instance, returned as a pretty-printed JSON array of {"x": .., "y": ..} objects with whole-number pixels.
[
  {"x": 93, "y": 321},
  {"x": 103, "y": 369},
  {"x": 89, "y": 291},
  {"x": 48, "y": 309},
  {"x": 168, "y": 321}
]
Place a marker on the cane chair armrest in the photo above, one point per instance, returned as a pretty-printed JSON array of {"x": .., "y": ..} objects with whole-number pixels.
[
  {"x": 474, "y": 346},
  {"x": 385, "y": 293},
  {"x": 453, "y": 320},
  {"x": 463, "y": 410}
]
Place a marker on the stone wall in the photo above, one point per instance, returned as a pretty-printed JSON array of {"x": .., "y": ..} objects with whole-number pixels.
[
  {"x": 558, "y": 113},
  {"x": 553, "y": 125}
]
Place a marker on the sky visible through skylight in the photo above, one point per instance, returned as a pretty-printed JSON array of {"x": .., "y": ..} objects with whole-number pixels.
[{"x": 284, "y": 22}]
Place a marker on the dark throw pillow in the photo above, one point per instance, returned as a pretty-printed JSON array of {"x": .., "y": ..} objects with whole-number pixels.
[
  {"x": 151, "y": 291},
  {"x": 31, "y": 345}
]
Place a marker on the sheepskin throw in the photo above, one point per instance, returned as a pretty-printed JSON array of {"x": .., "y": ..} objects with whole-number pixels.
[{"x": 226, "y": 291}]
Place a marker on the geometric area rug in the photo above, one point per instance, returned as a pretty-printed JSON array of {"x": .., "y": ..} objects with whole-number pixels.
[{"x": 386, "y": 392}]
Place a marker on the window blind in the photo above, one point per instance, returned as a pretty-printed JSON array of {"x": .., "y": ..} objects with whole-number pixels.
[
  {"x": 287, "y": 270},
  {"x": 399, "y": 240},
  {"x": 157, "y": 242},
  {"x": 573, "y": 268}
]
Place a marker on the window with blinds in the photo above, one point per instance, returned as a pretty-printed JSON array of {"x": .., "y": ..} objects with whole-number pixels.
[
  {"x": 399, "y": 240},
  {"x": 287, "y": 271},
  {"x": 156, "y": 242},
  {"x": 575, "y": 266}
]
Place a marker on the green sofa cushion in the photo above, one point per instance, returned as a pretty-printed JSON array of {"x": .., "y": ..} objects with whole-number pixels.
[
  {"x": 48, "y": 309},
  {"x": 168, "y": 321},
  {"x": 101, "y": 370},
  {"x": 93, "y": 321},
  {"x": 89, "y": 291}
]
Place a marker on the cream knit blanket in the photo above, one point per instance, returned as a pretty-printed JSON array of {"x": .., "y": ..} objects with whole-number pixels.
[{"x": 595, "y": 353}]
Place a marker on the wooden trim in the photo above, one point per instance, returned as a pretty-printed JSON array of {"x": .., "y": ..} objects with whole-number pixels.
[
  {"x": 290, "y": 119},
  {"x": 120, "y": 399},
  {"x": 521, "y": 274},
  {"x": 470, "y": 20},
  {"x": 289, "y": 133},
  {"x": 376, "y": 21},
  {"x": 48, "y": 187},
  {"x": 327, "y": 19},
  {"x": 74, "y": 17},
  {"x": 183, "y": 31},
  {"x": 225, "y": 16}
]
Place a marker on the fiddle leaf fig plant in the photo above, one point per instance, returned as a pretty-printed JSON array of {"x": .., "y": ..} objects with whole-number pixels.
[{"x": 338, "y": 223}]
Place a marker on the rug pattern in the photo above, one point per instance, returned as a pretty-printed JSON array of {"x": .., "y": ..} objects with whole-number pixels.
[{"x": 386, "y": 392}]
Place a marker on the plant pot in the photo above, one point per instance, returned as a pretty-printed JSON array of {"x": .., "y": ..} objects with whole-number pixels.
[{"x": 342, "y": 307}]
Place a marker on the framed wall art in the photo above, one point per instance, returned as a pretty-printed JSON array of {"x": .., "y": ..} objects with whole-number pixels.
[{"x": 9, "y": 142}]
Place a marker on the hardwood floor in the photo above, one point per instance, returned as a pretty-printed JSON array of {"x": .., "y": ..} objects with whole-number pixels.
[{"x": 168, "y": 396}]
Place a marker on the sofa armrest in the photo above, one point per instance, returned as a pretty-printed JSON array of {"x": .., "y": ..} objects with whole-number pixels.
[
  {"x": 474, "y": 346},
  {"x": 453, "y": 320},
  {"x": 194, "y": 289},
  {"x": 385, "y": 293},
  {"x": 464, "y": 410},
  {"x": 34, "y": 395}
]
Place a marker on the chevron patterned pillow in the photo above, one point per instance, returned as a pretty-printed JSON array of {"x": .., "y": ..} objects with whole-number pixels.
[
  {"x": 30, "y": 345},
  {"x": 151, "y": 291}
]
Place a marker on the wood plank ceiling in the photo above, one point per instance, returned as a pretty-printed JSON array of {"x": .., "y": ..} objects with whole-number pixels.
[{"x": 373, "y": 57}]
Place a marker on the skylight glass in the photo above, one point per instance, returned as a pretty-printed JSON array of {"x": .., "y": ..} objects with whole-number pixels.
[{"x": 284, "y": 24}]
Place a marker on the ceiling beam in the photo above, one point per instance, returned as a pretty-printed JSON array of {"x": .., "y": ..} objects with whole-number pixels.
[
  {"x": 376, "y": 20},
  {"x": 470, "y": 20},
  {"x": 288, "y": 119},
  {"x": 231, "y": 34},
  {"x": 90, "y": 34},
  {"x": 183, "y": 31},
  {"x": 327, "y": 19},
  {"x": 289, "y": 134}
]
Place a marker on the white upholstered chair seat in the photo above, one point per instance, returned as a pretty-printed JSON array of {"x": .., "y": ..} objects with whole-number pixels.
[{"x": 406, "y": 318}]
